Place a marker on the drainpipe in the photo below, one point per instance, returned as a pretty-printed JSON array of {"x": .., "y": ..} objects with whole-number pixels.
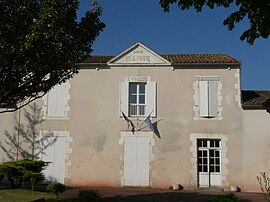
[{"x": 18, "y": 134}]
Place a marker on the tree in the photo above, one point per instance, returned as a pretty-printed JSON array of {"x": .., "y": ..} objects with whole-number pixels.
[
  {"x": 19, "y": 172},
  {"x": 257, "y": 12},
  {"x": 40, "y": 43}
]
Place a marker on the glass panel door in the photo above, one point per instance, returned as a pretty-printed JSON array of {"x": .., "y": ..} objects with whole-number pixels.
[{"x": 209, "y": 161}]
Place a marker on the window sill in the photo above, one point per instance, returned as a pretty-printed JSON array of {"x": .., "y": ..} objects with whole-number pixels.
[
  {"x": 57, "y": 118},
  {"x": 218, "y": 118}
]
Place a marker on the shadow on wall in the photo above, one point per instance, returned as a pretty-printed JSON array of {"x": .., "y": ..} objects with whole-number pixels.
[
  {"x": 26, "y": 141},
  {"x": 49, "y": 179}
]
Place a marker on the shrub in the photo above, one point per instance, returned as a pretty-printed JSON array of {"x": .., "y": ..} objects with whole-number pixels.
[
  {"x": 264, "y": 181},
  {"x": 89, "y": 196},
  {"x": 56, "y": 188},
  {"x": 225, "y": 198},
  {"x": 18, "y": 172}
]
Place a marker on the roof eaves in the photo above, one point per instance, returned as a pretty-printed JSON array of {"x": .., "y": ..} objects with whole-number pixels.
[
  {"x": 266, "y": 105},
  {"x": 93, "y": 65},
  {"x": 232, "y": 65},
  {"x": 252, "y": 107}
]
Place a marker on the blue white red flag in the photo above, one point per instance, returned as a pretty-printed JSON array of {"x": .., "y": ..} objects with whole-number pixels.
[
  {"x": 149, "y": 123},
  {"x": 129, "y": 122}
]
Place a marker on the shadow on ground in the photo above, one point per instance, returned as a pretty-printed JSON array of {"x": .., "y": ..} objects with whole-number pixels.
[{"x": 168, "y": 197}]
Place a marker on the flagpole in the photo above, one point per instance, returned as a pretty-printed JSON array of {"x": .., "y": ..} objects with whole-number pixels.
[
  {"x": 144, "y": 120},
  {"x": 128, "y": 121}
]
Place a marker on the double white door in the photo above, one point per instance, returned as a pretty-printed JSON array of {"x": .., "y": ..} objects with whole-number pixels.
[
  {"x": 136, "y": 161},
  {"x": 209, "y": 161}
]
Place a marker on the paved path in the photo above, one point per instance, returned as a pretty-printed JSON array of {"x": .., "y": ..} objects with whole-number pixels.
[{"x": 163, "y": 195}]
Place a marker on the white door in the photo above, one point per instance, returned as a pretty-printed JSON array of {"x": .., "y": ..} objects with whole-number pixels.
[
  {"x": 55, "y": 153},
  {"x": 209, "y": 163},
  {"x": 136, "y": 161}
]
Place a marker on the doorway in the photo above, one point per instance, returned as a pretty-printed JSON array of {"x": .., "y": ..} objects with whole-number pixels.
[
  {"x": 136, "y": 161},
  {"x": 209, "y": 162},
  {"x": 55, "y": 154}
]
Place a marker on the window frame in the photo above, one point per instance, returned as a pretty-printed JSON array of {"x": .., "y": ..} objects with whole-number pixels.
[
  {"x": 66, "y": 107},
  {"x": 139, "y": 107},
  {"x": 212, "y": 87},
  {"x": 150, "y": 95}
]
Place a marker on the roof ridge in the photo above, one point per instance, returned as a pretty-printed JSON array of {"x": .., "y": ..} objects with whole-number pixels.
[
  {"x": 194, "y": 54},
  {"x": 171, "y": 54}
]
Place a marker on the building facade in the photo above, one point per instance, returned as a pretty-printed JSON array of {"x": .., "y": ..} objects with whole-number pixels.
[{"x": 202, "y": 133}]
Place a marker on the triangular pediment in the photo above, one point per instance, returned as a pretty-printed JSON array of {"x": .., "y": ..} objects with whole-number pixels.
[{"x": 138, "y": 55}]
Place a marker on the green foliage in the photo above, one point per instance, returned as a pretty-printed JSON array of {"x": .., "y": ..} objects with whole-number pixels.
[
  {"x": 18, "y": 172},
  {"x": 225, "y": 198},
  {"x": 264, "y": 181},
  {"x": 56, "y": 188},
  {"x": 89, "y": 196},
  {"x": 40, "y": 43},
  {"x": 257, "y": 12}
]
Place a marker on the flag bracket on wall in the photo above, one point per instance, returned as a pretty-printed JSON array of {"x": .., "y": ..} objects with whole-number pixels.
[{"x": 150, "y": 125}]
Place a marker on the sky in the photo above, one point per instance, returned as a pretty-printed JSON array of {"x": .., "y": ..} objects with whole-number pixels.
[{"x": 180, "y": 32}]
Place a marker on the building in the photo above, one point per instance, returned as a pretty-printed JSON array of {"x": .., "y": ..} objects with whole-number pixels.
[{"x": 205, "y": 131}]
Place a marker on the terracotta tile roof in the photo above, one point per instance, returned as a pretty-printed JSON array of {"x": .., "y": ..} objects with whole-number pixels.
[
  {"x": 255, "y": 97},
  {"x": 98, "y": 59},
  {"x": 200, "y": 58},
  {"x": 176, "y": 58}
]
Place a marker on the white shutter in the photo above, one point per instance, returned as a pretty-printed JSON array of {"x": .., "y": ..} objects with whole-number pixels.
[
  {"x": 51, "y": 102},
  {"x": 124, "y": 98},
  {"x": 66, "y": 106},
  {"x": 203, "y": 98},
  {"x": 60, "y": 100},
  {"x": 213, "y": 102},
  {"x": 57, "y": 101},
  {"x": 151, "y": 98}
]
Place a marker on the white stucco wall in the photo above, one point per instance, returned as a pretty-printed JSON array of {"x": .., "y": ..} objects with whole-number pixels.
[
  {"x": 7, "y": 124},
  {"x": 256, "y": 147},
  {"x": 94, "y": 124}
]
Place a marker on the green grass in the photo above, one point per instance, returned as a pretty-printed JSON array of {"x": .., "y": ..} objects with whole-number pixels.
[{"x": 23, "y": 195}]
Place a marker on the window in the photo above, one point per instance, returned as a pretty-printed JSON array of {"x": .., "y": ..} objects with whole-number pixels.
[
  {"x": 138, "y": 96},
  {"x": 208, "y": 99},
  {"x": 137, "y": 99},
  {"x": 56, "y": 101}
]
